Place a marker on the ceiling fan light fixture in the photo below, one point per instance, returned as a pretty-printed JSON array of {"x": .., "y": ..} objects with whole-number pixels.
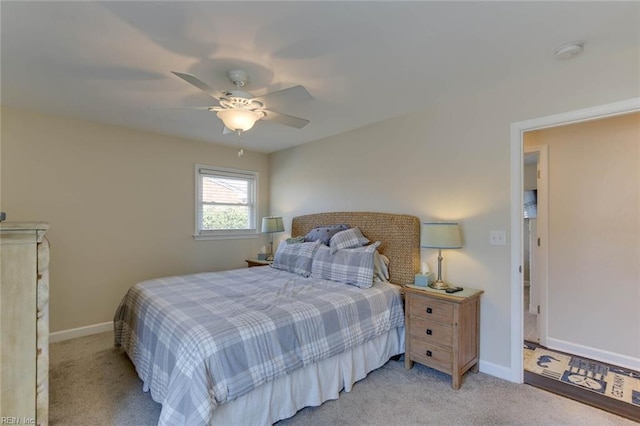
[
  {"x": 239, "y": 119},
  {"x": 240, "y": 110}
]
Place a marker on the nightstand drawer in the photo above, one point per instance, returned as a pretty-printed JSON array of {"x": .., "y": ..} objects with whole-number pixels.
[
  {"x": 431, "y": 332},
  {"x": 431, "y": 355},
  {"x": 431, "y": 309}
]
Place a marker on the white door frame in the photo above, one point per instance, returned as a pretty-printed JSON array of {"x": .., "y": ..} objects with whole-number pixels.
[{"x": 517, "y": 284}]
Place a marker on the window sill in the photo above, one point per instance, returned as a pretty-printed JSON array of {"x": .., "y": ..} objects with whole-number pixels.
[{"x": 225, "y": 236}]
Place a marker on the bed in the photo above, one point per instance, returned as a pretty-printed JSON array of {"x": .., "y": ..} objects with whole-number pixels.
[{"x": 255, "y": 345}]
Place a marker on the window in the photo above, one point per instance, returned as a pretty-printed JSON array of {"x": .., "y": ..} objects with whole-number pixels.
[{"x": 225, "y": 202}]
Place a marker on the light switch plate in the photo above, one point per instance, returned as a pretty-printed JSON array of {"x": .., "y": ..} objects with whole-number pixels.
[{"x": 498, "y": 238}]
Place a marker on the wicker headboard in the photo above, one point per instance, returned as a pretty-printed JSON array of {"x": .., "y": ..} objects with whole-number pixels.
[{"x": 399, "y": 235}]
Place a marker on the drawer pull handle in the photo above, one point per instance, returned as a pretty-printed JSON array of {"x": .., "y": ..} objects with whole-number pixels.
[
  {"x": 429, "y": 310},
  {"x": 429, "y": 332},
  {"x": 428, "y": 353}
]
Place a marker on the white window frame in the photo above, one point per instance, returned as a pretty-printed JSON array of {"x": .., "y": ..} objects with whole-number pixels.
[{"x": 226, "y": 234}]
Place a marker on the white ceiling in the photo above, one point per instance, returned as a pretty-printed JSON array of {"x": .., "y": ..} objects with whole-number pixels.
[{"x": 362, "y": 62}]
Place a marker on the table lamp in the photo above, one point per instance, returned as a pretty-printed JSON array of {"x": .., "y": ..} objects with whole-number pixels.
[
  {"x": 440, "y": 235},
  {"x": 270, "y": 225}
]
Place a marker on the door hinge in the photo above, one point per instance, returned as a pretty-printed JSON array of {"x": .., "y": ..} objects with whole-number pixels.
[
  {"x": 538, "y": 174},
  {"x": 538, "y": 309},
  {"x": 538, "y": 242},
  {"x": 520, "y": 269}
]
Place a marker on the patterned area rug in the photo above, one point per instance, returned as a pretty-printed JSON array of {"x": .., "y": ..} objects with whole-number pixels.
[{"x": 618, "y": 383}]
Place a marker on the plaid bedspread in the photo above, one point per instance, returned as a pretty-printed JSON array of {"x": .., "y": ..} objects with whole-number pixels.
[{"x": 201, "y": 340}]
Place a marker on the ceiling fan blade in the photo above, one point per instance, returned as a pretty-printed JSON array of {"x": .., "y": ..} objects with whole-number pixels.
[
  {"x": 192, "y": 79},
  {"x": 210, "y": 108},
  {"x": 287, "y": 120},
  {"x": 280, "y": 97}
]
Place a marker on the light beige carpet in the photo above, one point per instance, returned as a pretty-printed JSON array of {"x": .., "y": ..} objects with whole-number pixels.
[{"x": 93, "y": 383}]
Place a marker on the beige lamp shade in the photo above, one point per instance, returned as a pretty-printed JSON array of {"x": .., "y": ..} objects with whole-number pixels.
[
  {"x": 272, "y": 224},
  {"x": 440, "y": 235}
]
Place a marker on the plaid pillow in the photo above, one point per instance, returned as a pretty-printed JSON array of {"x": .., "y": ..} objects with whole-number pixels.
[
  {"x": 295, "y": 257},
  {"x": 350, "y": 266},
  {"x": 349, "y": 238},
  {"x": 380, "y": 267}
]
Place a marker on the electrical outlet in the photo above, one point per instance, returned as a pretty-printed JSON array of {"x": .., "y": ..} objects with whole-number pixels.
[{"x": 498, "y": 238}]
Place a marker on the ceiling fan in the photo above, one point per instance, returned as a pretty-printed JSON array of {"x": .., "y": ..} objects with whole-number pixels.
[{"x": 240, "y": 110}]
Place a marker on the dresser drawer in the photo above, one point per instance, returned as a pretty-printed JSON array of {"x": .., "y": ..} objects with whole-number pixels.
[
  {"x": 431, "y": 332},
  {"x": 432, "y": 355},
  {"x": 431, "y": 309}
]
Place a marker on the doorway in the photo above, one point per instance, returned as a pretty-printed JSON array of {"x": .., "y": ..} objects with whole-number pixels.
[{"x": 517, "y": 221}]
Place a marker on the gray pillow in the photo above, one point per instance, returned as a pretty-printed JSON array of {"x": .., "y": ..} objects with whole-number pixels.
[
  {"x": 324, "y": 233},
  {"x": 349, "y": 238},
  {"x": 350, "y": 266},
  {"x": 380, "y": 267},
  {"x": 295, "y": 257}
]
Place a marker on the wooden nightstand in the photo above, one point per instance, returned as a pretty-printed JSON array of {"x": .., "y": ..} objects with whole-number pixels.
[
  {"x": 255, "y": 262},
  {"x": 442, "y": 330}
]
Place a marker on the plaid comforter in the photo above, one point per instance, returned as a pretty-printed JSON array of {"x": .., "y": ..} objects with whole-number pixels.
[{"x": 201, "y": 340}]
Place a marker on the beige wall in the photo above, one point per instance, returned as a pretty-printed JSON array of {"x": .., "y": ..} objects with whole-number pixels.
[
  {"x": 594, "y": 233},
  {"x": 450, "y": 162},
  {"x": 121, "y": 207},
  {"x": 530, "y": 179},
  {"x": 426, "y": 165},
  {"x": 121, "y": 202}
]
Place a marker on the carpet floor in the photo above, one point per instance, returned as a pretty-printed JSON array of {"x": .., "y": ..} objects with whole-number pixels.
[
  {"x": 93, "y": 383},
  {"x": 605, "y": 386}
]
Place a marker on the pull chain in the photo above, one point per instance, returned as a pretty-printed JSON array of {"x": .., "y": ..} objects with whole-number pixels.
[{"x": 241, "y": 150}]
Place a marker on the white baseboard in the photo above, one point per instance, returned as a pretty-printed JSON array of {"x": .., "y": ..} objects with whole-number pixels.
[
  {"x": 594, "y": 353},
  {"x": 498, "y": 371},
  {"x": 59, "y": 336}
]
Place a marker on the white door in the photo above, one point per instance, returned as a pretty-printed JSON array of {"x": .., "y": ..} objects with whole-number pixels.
[
  {"x": 534, "y": 281},
  {"x": 538, "y": 274}
]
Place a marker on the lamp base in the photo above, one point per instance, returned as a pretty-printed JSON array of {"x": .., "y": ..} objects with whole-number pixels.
[{"x": 439, "y": 285}]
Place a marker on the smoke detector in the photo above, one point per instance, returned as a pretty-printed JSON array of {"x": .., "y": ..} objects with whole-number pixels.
[{"x": 569, "y": 50}]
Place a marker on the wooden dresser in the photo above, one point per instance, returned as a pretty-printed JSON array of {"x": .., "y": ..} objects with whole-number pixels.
[
  {"x": 24, "y": 323},
  {"x": 442, "y": 330}
]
